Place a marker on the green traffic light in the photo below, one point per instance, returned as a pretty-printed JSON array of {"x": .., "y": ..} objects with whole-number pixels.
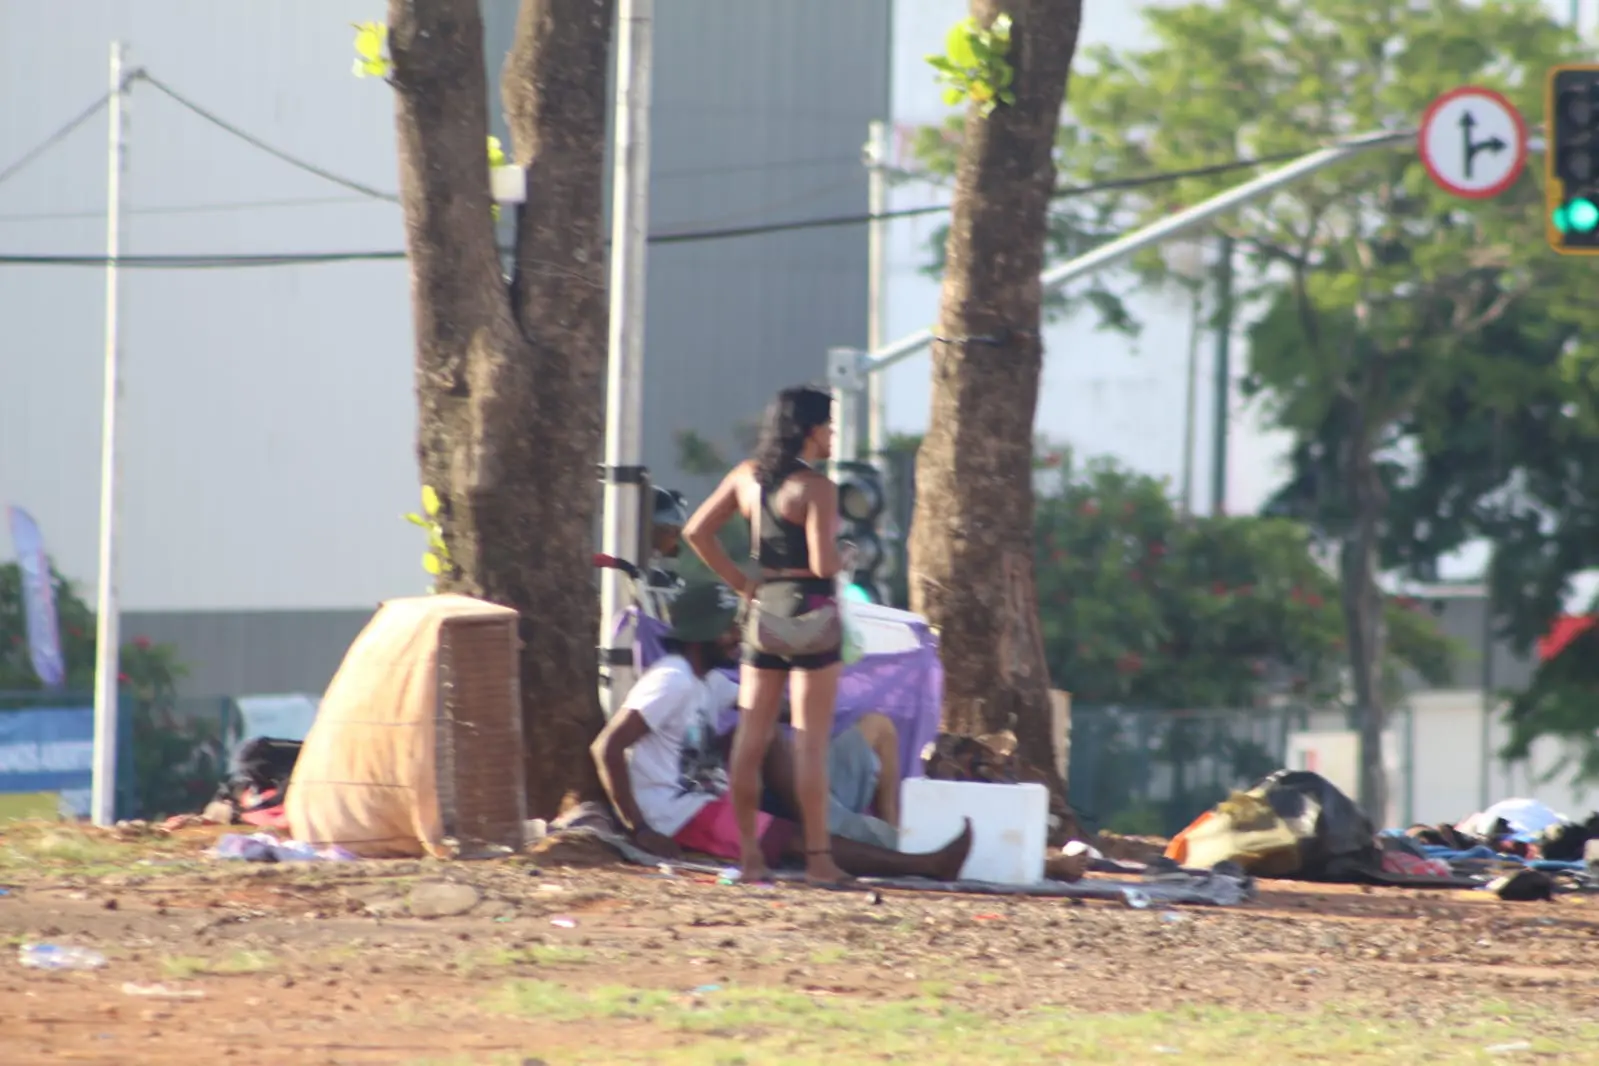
[
  {"x": 856, "y": 594},
  {"x": 1582, "y": 216},
  {"x": 1558, "y": 217}
]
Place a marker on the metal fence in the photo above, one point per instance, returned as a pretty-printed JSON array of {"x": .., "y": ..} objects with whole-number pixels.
[{"x": 1140, "y": 771}]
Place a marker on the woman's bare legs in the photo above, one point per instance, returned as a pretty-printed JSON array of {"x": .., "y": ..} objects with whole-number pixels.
[
  {"x": 814, "y": 695},
  {"x": 760, "y": 692}
]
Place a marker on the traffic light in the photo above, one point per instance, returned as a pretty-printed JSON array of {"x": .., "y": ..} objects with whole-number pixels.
[
  {"x": 1571, "y": 159},
  {"x": 861, "y": 503}
]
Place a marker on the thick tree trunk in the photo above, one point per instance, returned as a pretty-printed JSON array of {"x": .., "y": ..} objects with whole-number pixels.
[
  {"x": 508, "y": 376},
  {"x": 971, "y": 547}
]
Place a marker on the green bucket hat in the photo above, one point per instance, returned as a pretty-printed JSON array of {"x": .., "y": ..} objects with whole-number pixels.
[{"x": 703, "y": 612}]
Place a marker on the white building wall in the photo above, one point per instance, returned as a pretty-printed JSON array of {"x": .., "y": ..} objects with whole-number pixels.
[{"x": 268, "y": 417}]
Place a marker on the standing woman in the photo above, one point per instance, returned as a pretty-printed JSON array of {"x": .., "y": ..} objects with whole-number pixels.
[{"x": 793, "y": 633}]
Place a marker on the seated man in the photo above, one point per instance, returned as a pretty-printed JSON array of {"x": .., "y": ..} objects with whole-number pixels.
[
  {"x": 665, "y": 769},
  {"x": 862, "y": 775}
]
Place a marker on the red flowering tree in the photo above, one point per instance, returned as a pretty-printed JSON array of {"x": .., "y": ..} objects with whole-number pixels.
[{"x": 1141, "y": 606}]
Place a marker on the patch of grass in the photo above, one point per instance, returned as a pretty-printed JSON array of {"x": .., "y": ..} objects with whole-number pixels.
[
  {"x": 758, "y": 1026},
  {"x": 179, "y": 967},
  {"x": 63, "y": 847},
  {"x": 541, "y": 955},
  {"x": 29, "y": 806},
  {"x": 828, "y": 955}
]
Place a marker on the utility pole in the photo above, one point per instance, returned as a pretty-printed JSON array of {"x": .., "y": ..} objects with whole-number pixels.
[
  {"x": 1191, "y": 400},
  {"x": 103, "y": 795},
  {"x": 1224, "y": 383},
  {"x": 876, "y": 285},
  {"x": 623, "y": 473}
]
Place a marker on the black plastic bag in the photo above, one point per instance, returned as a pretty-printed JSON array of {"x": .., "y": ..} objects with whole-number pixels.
[{"x": 1336, "y": 840}]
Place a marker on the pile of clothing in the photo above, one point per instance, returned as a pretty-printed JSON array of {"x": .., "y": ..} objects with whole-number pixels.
[{"x": 257, "y": 784}]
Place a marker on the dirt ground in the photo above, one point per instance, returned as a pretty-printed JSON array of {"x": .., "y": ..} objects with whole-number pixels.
[{"x": 329, "y": 963}]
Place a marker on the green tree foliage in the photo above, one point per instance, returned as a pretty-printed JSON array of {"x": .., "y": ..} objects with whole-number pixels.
[
  {"x": 1377, "y": 287},
  {"x": 1144, "y": 607},
  {"x": 177, "y": 761}
]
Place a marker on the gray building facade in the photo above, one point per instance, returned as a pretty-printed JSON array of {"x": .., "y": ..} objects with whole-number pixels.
[
  {"x": 759, "y": 113},
  {"x": 268, "y": 414}
]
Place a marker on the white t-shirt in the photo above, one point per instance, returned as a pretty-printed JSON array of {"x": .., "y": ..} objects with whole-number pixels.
[{"x": 676, "y": 768}]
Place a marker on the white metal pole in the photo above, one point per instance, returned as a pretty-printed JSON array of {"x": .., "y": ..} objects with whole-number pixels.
[
  {"x": 107, "y": 628},
  {"x": 876, "y": 285},
  {"x": 1113, "y": 252},
  {"x": 624, "y": 392}
]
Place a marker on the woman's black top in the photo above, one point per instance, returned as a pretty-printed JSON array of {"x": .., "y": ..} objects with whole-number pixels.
[{"x": 783, "y": 545}]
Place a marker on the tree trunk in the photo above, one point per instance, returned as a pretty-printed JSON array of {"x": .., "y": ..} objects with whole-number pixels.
[
  {"x": 509, "y": 375},
  {"x": 1362, "y": 602},
  {"x": 971, "y": 545}
]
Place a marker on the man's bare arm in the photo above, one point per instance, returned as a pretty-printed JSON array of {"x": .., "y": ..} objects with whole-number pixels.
[{"x": 610, "y": 758}]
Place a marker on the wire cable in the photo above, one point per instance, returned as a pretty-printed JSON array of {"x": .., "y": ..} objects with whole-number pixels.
[
  {"x": 54, "y": 139},
  {"x": 220, "y": 261},
  {"x": 249, "y": 138}
]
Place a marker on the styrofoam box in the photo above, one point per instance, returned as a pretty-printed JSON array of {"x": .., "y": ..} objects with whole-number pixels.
[{"x": 1009, "y": 826}]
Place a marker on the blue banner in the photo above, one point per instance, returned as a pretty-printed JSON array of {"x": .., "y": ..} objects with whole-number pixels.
[
  {"x": 38, "y": 600},
  {"x": 51, "y": 749}
]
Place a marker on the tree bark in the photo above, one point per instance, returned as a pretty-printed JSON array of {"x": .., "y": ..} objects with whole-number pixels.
[
  {"x": 971, "y": 545},
  {"x": 1362, "y": 602},
  {"x": 508, "y": 374}
]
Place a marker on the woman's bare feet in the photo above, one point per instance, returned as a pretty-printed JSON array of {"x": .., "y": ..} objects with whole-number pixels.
[
  {"x": 822, "y": 871},
  {"x": 948, "y": 860},
  {"x": 752, "y": 868}
]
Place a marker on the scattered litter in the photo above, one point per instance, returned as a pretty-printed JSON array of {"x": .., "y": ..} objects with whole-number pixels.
[
  {"x": 552, "y": 888},
  {"x": 665, "y": 870},
  {"x": 1136, "y": 898},
  {"x": 1509, "y": 1049},
  {"x": 264, "y": 847},
  {"x": 503, "y": 918},
  {"x": 988, "y": 917},
  {"x": 1078, "y": 847},
  {"x": 564, "y": 922},
  {"x": 535, "y": 829},
  {"x": 1171, "y": 917},
  {"x": 703, "y": 989},
  {"x": 59, "y": 957},
  {"x": 5, "y": 892},
  {"x": 1162, "y": 1049},
  {"x": 161, "y": 991}
]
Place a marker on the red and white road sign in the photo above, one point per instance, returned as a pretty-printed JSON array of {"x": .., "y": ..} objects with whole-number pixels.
[{"x": 1473, "y": 142}]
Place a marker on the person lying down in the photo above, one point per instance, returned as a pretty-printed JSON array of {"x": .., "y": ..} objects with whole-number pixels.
[{"x": 664, "y": 766}]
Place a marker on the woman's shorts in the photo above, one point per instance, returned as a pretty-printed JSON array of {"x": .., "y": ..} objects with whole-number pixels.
[{"x": 788, "y": 598}]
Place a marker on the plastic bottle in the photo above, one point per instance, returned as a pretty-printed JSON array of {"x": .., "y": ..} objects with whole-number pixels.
[{"x": 59, "y": 957}]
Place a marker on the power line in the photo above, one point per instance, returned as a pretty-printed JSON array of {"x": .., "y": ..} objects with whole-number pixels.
[
  {"x": 191, "y": 209},
  {"x": 54, "y": 139},
  {"x": 220, "y": 261},
  {"x": 249, "y": 138}
]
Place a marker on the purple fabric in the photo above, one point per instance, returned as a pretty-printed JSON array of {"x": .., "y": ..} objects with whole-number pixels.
[{"x": 906, "y": 687}]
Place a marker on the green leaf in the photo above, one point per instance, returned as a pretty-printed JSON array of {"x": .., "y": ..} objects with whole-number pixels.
[
  {"x": 958, "y": 44},
  {"x": 496, "y": 153},
  {"x": 430, "y": 501},
  {"x": 432, "y": 565},
  {"x": 418, "y": 520},
  {"x": 1007, "y": 97},
  {"x": 436, "y": 542},
  {"x": 953, "y": 96}
]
